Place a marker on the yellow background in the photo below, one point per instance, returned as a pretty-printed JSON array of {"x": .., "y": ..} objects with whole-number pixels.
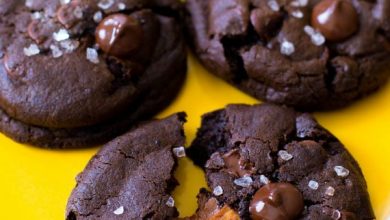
[{"x": 35, "y": 183}]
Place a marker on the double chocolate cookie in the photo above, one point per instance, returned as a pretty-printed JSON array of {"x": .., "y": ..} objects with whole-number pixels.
[
  {"x": 75, "y": 73},
  {"x": 309, "y": 54},
  {"x": 132, "y": 176},
  {"x": 269, "y": 162}
]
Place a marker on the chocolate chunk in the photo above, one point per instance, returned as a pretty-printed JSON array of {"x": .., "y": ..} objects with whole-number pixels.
[
  {"x": 276, "y": 201},
  {"x": 336, "y": 19},
  {"x": 119, "y": 35}
]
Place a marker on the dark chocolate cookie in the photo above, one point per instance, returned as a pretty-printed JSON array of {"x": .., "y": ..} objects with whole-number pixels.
[
  {"x": 132, "y": 176},
  {"x": 309, "y": 54},
  {"x": 80, "y": 72},
  {"x": 269, "y": 162}
]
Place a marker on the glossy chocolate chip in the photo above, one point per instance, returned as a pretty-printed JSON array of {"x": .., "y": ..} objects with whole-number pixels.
[
  {"x": 335, "y": 19},
  {"x": 276, "y": 201},
  {"x": 235, "y": 165},
  {"x": 119, "y": 35}
]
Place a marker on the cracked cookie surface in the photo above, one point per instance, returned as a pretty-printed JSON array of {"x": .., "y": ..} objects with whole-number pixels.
[
  {"x": 132, "y": 176},
  {"x": 61, "y": 87},
  {"x": 246, "y": 150},
  {"x": 276, "y": 50}
]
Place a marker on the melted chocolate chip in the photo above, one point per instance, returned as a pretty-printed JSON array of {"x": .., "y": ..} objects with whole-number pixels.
[
  {"x": 119, "y": 35},
  {"x": 335, "y": 19},
  {"x": 276, "y": 201},
  {"x": 236, "y": 165}
]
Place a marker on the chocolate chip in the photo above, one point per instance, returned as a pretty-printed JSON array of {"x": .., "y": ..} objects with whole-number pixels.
[
  {"x": 235, "y": 165},
  {"x": 335, "y": 19},
  {"x": 119, "y": 35},
  {"x": 277, "y": 201}
]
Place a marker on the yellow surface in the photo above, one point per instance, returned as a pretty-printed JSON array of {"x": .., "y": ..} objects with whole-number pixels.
[{"x": 36, "y": 183}]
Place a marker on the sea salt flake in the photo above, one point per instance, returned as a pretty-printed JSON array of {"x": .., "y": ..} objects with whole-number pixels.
[
  {"x": 329, "y": 191},
  {"x": 55, "y": 51},
  {"x": 121, "y": 6},
  {"x": 64, "y": 2},
  {"x": 336, "y": 215},
  {"x": 170, "y": 202},
  {"x": 179, "y": 151},
  {"x": 69, "y": 45},
  {"x": 313, "y": 185},
  {"x": 61, "y": 35},
  {"x": 260, "y": 206},
  {"x": 98, "y": 16},
  {"x": 78, "y": 12},
  {"x": 341, "y": 171},
  {"x": 297, "y": 14},
  {"x": 273, "y": 5},
  {"x": 287, "y": 48},
  {"x": 316, "y": 37},
  {"x": 105, "y": 4},
  {"x": 92, "y": 55},
  {"x": 284, "y": 155},
  {"x": 245, "y": 181},
  {"x": 29, "y": 3},
  {"x": 299, "y": 3},
  {"x": 264, "y": 179},
  {"x": 218, "y": 191},
  {"x": 119, "y": 211},
  {"x": 36, "y": 15},
  {"x": 31, "y": 50}
]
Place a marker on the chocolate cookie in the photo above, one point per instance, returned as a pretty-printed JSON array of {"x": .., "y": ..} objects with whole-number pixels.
[
  {"x": 269, "y": 162},
  {"x": 132, "y": 176},
  {"x": 309, "y": 54},
  {"x": 80, "y": 72}
]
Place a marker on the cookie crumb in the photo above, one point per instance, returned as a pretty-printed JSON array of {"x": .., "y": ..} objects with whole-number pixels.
[
  {"x": 61, "y": 35},
  {"x": 31, "y": 50},
  {"x": 105, "y": 4},
  {"x": 170, "y": 202},
  {"x": 179, "y": 151},
  {"x": 92, "y": 55},
  {"x": 330, "y": 191},
  {"x": 341, "y": 171},
  {"x": 313, "y": 185},
  {"x": 119, "y": 211},
  {"x": 264, "y": 180},
  {"x": 78, "y": 12},
  {"x": 218, "y": 191},
  {"x": 284, "y": 155},
  {"x": 245, "y": 181},
  {"x": 287, "y": 48},
  {"x": 273, "y": 5}
]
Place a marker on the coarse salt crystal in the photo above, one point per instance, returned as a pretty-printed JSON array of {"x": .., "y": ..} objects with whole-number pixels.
[
  {"x": 31, "y": 50},
  {"x": 170, "y": 202},
  {"x": 330, "y": 191},
  {"x": 56, "y": 52},
  {"x": 316, "y": 37},
  {"x": 64, "y": 2},
  {"x": 179, "y": 151},
  {"x": 264, "y": 179},
  {"x": 299, "y": 3},
  {"x": 218, "y": 191},
  {"x": 98, "y": 16},
  {"x": 119, "y": 211},
  {"x": 29, "y": 3},
  {"x": 297, "y": 14},
  {"x": 92, "y": 55},
  {"x": 78, "y": 12},
  {"x": 336, "y": 215},
  {"x": 105, "y": 4},
  {"x": 61, "y": 35},
  {"x": 245, "y": 181},
  {"x": 121, "y": 6},
  {"x": 69, "y": 45},
  {"x": 274, "y": 5},
  {"x": 284, "y": 155},
  {"x": 36, "y": 15},
  {"x": 287, "y": 48},
  {"x": 341, "y": 171},
  {"x": 313, "y": 185}
]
